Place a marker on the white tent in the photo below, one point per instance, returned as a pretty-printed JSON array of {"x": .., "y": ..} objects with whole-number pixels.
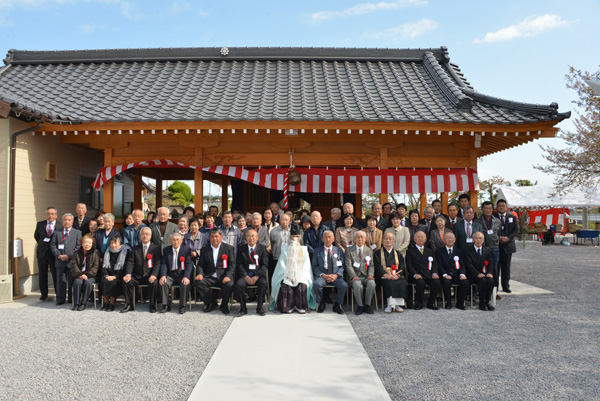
[{"x": 538, "y": 196}]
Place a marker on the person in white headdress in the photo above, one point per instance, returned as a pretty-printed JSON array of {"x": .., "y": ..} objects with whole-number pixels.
[{"x": 291, "y": 286}]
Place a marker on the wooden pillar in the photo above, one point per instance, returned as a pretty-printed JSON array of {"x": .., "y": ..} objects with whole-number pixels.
[
  {"x": 473, "y": 194},
  {"x": 383, "y": 162},
  {"x": 198, "y": 183},
  {"x": 358, "y": 206},
  {"x": 137, "y": 191},
  {"x": 109, "y": 197},
  {"x": 444, "y": 202},
  {"x": 224, "y": 195},
  {"x": 474, "y": 201},
  {"x": 159, "y": 192},
  {"x": 423, "y": 203}
]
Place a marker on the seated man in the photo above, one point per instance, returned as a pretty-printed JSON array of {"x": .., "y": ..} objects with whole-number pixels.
[
  {"x": 176, "y": 268},
  {"x": 142, "y": 268},
  {"x": 391, "y": 270},
  {"x": 361, "y": 271},
  {"x": 478, "y": 261},
  {"x": 422, "y": 269},
  {"x": 215, "y": 269},
  {"x": 328, "y": 269},
  {"x": 452, "y": 269},
  {"x": 252, "y": 264}
]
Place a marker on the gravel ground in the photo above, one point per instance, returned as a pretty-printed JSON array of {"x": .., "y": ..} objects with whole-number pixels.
[
  {"x": 533, "y": 347},
  {"x": 49, "y": 352}
]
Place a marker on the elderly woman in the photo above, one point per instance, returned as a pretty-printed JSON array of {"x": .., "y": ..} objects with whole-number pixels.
[
  {"x": 414, "y": 226},
  {"x": 194, "y": 240},
  {"x": 344, "y": 235},
  {"x": 182, "y": 223},
  {"x": 93, "y": 226},
  {"x": 84, "y": 268},
  {"x": 374, "y": 235},
  {"x": 263, "y": 233},
  {"x": 127, "y": 221},
  {"x": 112, "y": 272},
  {"x": 103, "y": 236},
  {"x": 291, "y": 285},
  {"x": 436, "y": 235},
  {"x": 401, "y": 234}
]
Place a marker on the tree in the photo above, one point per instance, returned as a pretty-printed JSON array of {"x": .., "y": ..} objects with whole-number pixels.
[
  {"x": 578, "y": 165},
  {"x": 525, "y": 183},
  {"x": 180, "y": 193},
  {"x": 490, "y": 186}
]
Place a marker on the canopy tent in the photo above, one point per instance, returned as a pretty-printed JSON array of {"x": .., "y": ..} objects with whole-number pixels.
[{"x": 540, "y": 197}]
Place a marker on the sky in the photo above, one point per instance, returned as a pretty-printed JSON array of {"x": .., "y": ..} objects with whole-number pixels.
[{"x": 518, "y": 50}]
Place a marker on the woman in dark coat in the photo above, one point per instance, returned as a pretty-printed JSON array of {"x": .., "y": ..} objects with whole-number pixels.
[
  {"x": 112, "y": 271},
  {"x": 84, "y": 267}
]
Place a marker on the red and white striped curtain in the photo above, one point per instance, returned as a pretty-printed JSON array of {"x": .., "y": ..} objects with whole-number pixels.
[{"x": 329, "y": 180}]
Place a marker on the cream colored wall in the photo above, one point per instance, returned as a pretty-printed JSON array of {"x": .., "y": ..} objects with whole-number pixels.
[
  {"x": 4, "y": 160},
  {"x": 34, "y": 194}
]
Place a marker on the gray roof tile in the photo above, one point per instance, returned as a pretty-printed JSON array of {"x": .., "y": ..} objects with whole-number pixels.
[{"x": 281, "y": 84}]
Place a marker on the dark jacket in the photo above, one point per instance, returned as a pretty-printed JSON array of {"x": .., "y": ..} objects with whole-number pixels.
[
  {"x": 314, "y": 238},
  {"x": 84, "y": 227},
  {"x": 475, "y": 264},
  {"x": 113, "y": 260},
  {"x": 206, "y": 264},
  {"x": 509, "y": 229},
  {"x": 243, "y": 261},
  {"x": 318, "y": 262},
  {"x": 417, "y": 263},
  {"x": 99, "y": 237},
  {"x": 92, "y": 263},
  {"x": 137, "y": 265},
  {"x": 461, "y": 234},
  {"x": 42, "y": 239},
  {"x": 71, "y": 243},
  {"x": 167, "y": 268},
  {"x": 446, "y": 263}
]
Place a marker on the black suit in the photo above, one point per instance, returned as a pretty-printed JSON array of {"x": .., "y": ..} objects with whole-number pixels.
[
  {"x": 44, "y": 254},
  {"x": 475, "y": 265},
  {"x": 431, "y": 226},
  {"x": 417, "y": 263},
  {"x": 212, "y": 276},
  {"x": 84, "y": 227},
  {"x": 383, "y": 223},
  {"x": 447, "y": 267},
  {"x": 510, "y": 229},
  {"x": 175, "y": 274},
  {"x": 141, "y": 268},
  {"x": 462, "y": 239},
  {"x": 244, "y": 261}
]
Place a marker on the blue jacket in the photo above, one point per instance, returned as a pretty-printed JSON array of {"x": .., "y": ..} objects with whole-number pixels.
[{"x": 318, "y": 262}]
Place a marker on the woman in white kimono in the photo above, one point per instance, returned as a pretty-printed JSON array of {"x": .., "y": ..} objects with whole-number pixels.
[{"x": 291, "y": 286}]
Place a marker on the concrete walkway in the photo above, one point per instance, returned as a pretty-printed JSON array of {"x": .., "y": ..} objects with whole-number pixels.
[
  {"x": 519, "y": 288},
  {"x": 291, "y": 357}
]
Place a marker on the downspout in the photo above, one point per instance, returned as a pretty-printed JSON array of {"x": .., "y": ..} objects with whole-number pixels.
[{"x": 11, "y": 186}]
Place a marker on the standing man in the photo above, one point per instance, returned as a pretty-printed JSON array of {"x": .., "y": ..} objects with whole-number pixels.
[
  {"x": 508, "y": 231},
  {"x": 491, "y": 232},
  {"x": 382, "y": 222},
  {"x": 231, "y": 234},
  {"x": 332, "y": 224},
  {"x": 422, "y": 270},
  {"x": 464, "y": 200},
  {"x": 252, "y": 263},
  {"x": 216, "y": 267},
  {"x": 313, "y": 235},
  {"x": 402, "y": 210},
  {"x": 348, "y": 208},
  {"x": 276, "y": 210},
  {"x": 452, "y": 269},
  {"x": 361, "y": 271},
  {"x": 437, "y": 210},
  {"x": 328, "y": 269},
  {"x": 428, "y": 220},
  {"x": 214, "y": 211},
  {"x": 453, "y": 218},
  {"x": 175, "y": 268},
  {"x": 478, "y": 260},
  {"x": 163, "y": 229},
  {"x": 64, "y": 244},
  {"x": 132, "y": 233},
  {"x": 142, "y": 268},
  {"x": 386, "y": 210},
  {"x": 81, "y": 223},
  {"x": 46, "y": 260},
  {"x": 464, "y": 230},
  {"x": 279, "y": 236}
]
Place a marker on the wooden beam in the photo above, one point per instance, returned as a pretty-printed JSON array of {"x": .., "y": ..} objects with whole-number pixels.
[
  {"x": 4, "y": 109},
  {"x": 159, "y": 191},
  {"x": 444, "y": 202},
  {"x": 423, "y": 203},
  {"x": 224, "y": 195},
  {"x": 109, "y": 197},
  {"x": 358, "y": 206},
  {"x": 473, "y": 195},
  {"x": 137, "y": 191},
  {"x": 198, "y": 182},
  {"x": 383, "y": 162}
]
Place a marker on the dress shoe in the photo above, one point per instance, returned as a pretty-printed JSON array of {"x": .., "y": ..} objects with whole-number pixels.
[
  {"x": 398, "y": 309},
  {"x": 301, "y": 311},
  {"x": 338, "y": 309},
  {"x": 181, "y": 310},
  {"x": 359, "y": 310},
  {"x": 507, "y": 290},
  {"x": 321, "y": 307},
  {"x": 461, "y": 307},
  {"x": 418, "y": 306},
  {"x": 152, "y": 308},
  {"x": 498, "y": 296},
  {"x": 127, "y": 308},
  {"x": 43, "y": 297},
  {"x": 368, "y": 309},
  {"x": 490, "y": 307},
  {"x": 242, "y": 312},
  {"x": 210, "y": 307},
  {"x": 81, "y": 308},
  {"x": 448, "y": 305},
  {"x": 261, "y": 311},
  {"x": 58, "y": 303},
  {"x": 163, "y": 309},
  {"x": 111, "y": 308},
  {"x": 432, "y": 307},
  {"x": 74, "y": 308},
  {"x": 105, "y": 307},
  {"x": 225, "y": 310},
  {"x": 168, "y": 308},
  {"x": 482, "y": 307}
]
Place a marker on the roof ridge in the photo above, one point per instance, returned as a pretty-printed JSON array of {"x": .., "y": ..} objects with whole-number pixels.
[{"x": 448, "y": 87}]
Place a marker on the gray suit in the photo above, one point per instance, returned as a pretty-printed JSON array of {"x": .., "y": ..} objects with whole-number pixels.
[
  {"x": 61, "y": 245},
  {"x": 277, "y": 239},
  {"x": 166, "y": 240},
  {"x": 362, "y": 272}
]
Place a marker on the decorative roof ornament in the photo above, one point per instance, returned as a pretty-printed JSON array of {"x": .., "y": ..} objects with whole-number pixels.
[{"x": 224, "y": 51}]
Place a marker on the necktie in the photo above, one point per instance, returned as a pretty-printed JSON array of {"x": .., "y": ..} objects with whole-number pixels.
[
  {"x": 450, "y": 252},
  {"x": 145, "y": 251},
  {"x": 421, "y": 249},
  {"x": 329, "y": 261},
  {"x": 175, "y": 259},
  {"x": 502, "y": 218},
  {"x": 479, "y": 252},
  {"x": 468, "y": 229}
]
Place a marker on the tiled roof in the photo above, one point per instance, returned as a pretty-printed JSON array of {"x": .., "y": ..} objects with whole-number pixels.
[{"x": 253, "y": 84}]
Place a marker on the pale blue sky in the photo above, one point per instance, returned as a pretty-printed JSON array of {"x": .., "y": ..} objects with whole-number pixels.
[{"x": 519, "y": 50}]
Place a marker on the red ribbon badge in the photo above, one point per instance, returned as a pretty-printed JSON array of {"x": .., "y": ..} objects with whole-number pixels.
[
  {"x": 485, "y": 263},
  {"x": 394, "y": 268},
  {"x": 149, "y": 257},
  {"x": 182, "y": 260},
  {"x": 224, "y": 257}
]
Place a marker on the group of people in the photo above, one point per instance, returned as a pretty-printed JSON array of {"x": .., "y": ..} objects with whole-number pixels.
[{"x": 302, "y": 264}]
